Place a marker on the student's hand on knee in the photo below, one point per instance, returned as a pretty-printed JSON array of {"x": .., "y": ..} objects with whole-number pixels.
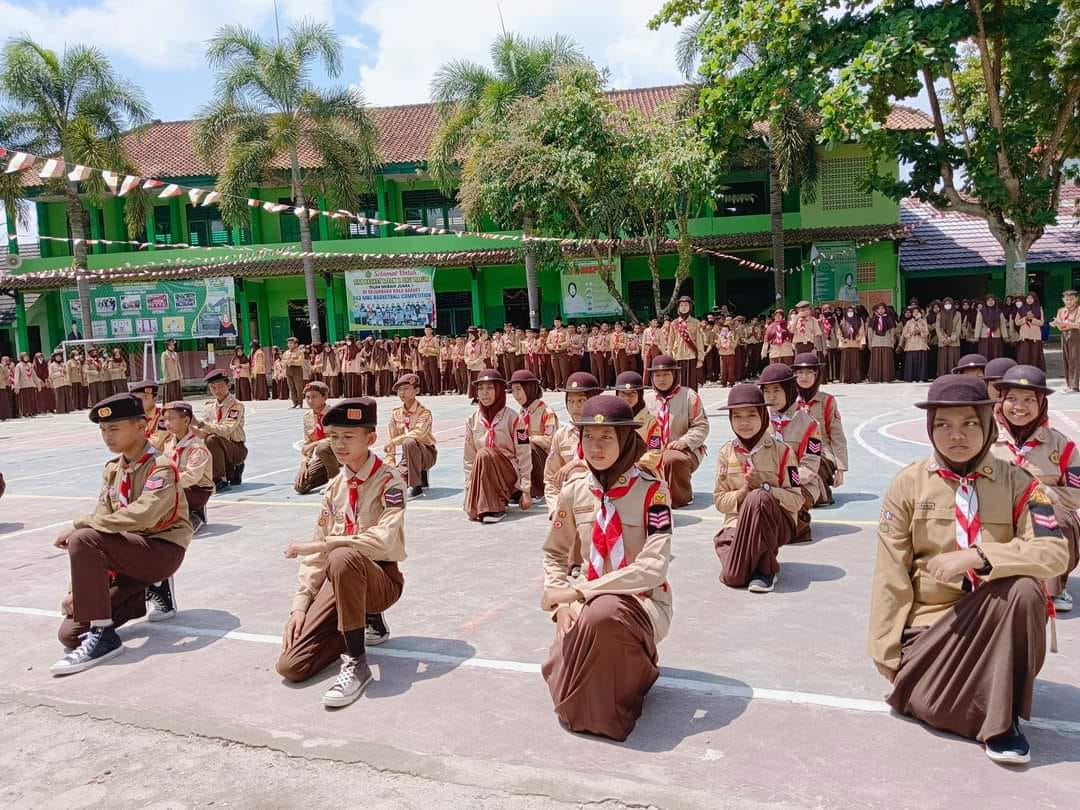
[
  {"x": 67, "y": 606},
  {"x": 754, "y": 480},
  {"x": 678, "y": 446},
  {"x": 564, "y": 623},
  {"x": 62, "y": 539},
  {"x": 553, "y": 597},
  {"x": 951, "y": 565},
  {"x": 526, "y": 502},
  {"x": 888, "y": 674},
  {"x": 838, "y": 478},
  {"x": 293, "y": 627}
]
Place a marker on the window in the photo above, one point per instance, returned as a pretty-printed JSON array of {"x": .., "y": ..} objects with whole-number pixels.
[
  {"x": 516, "y": 306},
  {"x": 840, "y": 178},
  {"x": 206, "y": 228},
  {"x": 743, "y": 198},
  {"x": 453, "y": 311},
  {"x": 431, "y": 209},
  {"x": 866, "y": 273},
  {"x": 300, "y": 324},
  {"x": 368, "y": 208},
  {"x": 290, "y": 223},
  {"x": 640, "y": 295},
  {"x": 163, "y": 225}
]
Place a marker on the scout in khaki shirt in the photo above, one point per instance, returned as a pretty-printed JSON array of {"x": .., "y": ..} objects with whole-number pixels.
[
  {"x": 318, "y": 464},
  {"x": 822, "y": 406},
  {"x": 410, "y": 430},
  {"x": 617, "y": 518},
  {"x": 559, "y": 344},
  {"x": 428, "y": 348},
  {"x": 958, "y": 609},
  {"x": 539, "y": 420},
  {"x": 1026, "y": 439},
  {"x": 349, "y": 569},
  {"x": 680, "y": 430},
  {"x": 805, "y": 329},
  {"x": 222, "y": 428},
  {"x": 134, "y": 541},
  {"x": 171, "y": 373},
  {"x": 686, "y": 343},
  {"x": 156, "y": 428},
  {"x": 498, "y": 456},
  {"x": 564, "y": 457},
  {"x": 293, "y": 358},
  {"x": 799, "y": 431},
  {"x": 776, "y": 344},
  {"x": 1067, "y": 321},
  {"x": 188, "y": 452},
  {"x": 757, "y": 491}
]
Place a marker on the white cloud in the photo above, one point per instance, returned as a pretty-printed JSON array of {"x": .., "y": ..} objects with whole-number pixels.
[{"x": 612, "y": 33}]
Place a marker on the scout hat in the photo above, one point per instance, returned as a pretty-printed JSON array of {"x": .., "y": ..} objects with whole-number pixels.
[
  {"x": 775, "y": 374},
  {"x": 356, "y": 412},
  {"x": 744, "y": 395},
  {"x": 997, "y": 367},
  {"x": 491, "y": 375},
  {"x": 629, "y": 381},
  {"x": 180, "y": 407},
  {"x": 581, "y": 381},
  {"x": 215, "y": 375},
  {"x": 144, "y": 387},
  {"x": 407, "y": 379},
  {"x": 803, "y": 305},
  {"x": 956, "y": 390},
  {"x": 606, "y": 410},
  {"x": 523, "y": 375},
  {"x": 685, "y": 298},
  {"x": 117, "y": 407},
  {"x": 806, "y": 360},
  {"x": 318, "y": 385},
  {"x": 1068, "y": 292},
  {"x": 1030, "y": 378},
  {"x": 664, "y": 362},
  {"x": 970, "y": 361}
]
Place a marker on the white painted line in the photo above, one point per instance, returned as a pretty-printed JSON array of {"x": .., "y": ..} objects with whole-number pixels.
[
  {"x": 1075, "y": 428},
  {"x": 885, "y": 431},
  {"x": 267, "y": 474},
  {"x": 858, "y": 437},
  {"x": 9, "y": 535},
  {"x": 697, "y": 685},
  {"x": 99, "y": 465}
]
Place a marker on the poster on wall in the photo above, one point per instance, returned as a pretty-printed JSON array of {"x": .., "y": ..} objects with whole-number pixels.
[
  {"x": 201, "y": 308},
  {"x": 835, "y": 272},
  {"x": 584, "y": 293},
  {"x": 390, "y": 298}
]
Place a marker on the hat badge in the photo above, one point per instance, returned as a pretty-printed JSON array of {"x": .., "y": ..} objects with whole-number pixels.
[
  {"x": 598, "y": 419},
  {"x": 354, "y": 413},
  {"x": 1024, "y": 381},
  {"x": 104, "y": 413}
]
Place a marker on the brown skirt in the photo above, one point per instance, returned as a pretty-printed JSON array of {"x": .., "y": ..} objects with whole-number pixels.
[
  {"x": 973, "y": 672},
  {"x": 46, "y": 400},
  {"x": 947, "y": 359},
  {"x": 851, "y": 366},
  {"x": 991, "y": 348},
  {"x": 7, "y": 403},
  {"x": 882, "y": 364},
  {"x": 243, "y": 389},
  {"x": 27, "y": 401},
  {"x": 1030, "y": 353},
  {"x": 752, "y": 546},
  {"x": 539, "y": 460},
  {"x": 677, "y": 469},
  {"x": 600, "y": 672},
  {"x": 171, "y": 392},
  {"x": 259, "y": 389},
  {"x": 63, "y": 399},
  {"x": 688, "y": 373},
  {"x": 491, "y": 483}
]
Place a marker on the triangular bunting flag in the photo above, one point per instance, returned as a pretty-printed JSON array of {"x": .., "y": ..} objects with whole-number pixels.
[
  {"x": 171, "y": 190},
  {"x": 79, "y": 173},
  {"x": 194, "y": 194},
  {"x": 111, "y": 179},
  {"x": 18, "y": 162},
  {"x": 130, "y": 183},
  {"x": 211, "y": 198},
  {"x": 52, "y": 169}
]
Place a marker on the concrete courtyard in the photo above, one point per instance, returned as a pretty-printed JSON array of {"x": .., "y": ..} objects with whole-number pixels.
[{"x": 764, "y": 699}]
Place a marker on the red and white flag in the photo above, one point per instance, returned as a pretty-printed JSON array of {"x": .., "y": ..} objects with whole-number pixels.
[
  {"x": 53, "y": 168},
  {"x": 131, "y": 182},
  {"x": 18, "y": 162},
  {"x": 211, "y": 198},
  {"x": 112, "y": 179},
  {"x": 171, "y": 190},
  {"x": 80, "y": 173}
]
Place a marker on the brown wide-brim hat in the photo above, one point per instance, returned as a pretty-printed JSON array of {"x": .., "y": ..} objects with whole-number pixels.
[
  {"x": 491, "y": 375},
  {"x": 407, "y": 379},
  {"x": 664, "y": 362},
  {"x": 803, "y": 305},
  {"x": 685, "y": 299},
  {"x": 806, "y": 360},
  {"x": 956, "y": 391},
  {"x": 775, "y": 374},
  {"x": 144, "y": 387},
  {"x": 629, "y": 381},
  {"x": 1030, "y": 378},
  {"x": 523, "y": 375},
  {"x": 582, "y": 382},
  {"x": 318, "y": 385},
  {"x": 606, "y": 411},
  {"x": 969, "y": 361},
  {"x": 215, "y": 375},
  {"x": 355, "y": 412},
  {"x": 744, "y": 395},
  {"x": 997, "y": 367},
  {"x": 180, "y": 407}
]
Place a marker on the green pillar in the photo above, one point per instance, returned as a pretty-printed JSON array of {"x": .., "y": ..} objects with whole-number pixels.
[
  {"x": 95, "y": 227},
  {"x": 242, "y": 312},
  {"x": 44, "y": 230},
  {"x": 177, "y": 220},
  {"x": 710, "y": 284},
  {"x": 382, "y": 203},
  {"x": 12, "y": 233},
  {"x": 477, "y": 298},
  {"x": 151, "y": 228},
  {"x": 22, "y": 334}
]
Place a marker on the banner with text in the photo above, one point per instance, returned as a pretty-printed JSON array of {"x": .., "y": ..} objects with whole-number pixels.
[
  {"x": 835, "y": 272},
  {"x": 391, "y": 298},
  {"x": 584, "y": 293}
]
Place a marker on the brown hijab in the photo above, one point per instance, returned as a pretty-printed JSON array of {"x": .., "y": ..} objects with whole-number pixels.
[
  {"x": 631, "y": 448},
  {"x": 989, "y": 426}
]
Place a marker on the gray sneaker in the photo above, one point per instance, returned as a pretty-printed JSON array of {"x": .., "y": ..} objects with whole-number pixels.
[
  {"x": 351, "y": 682},
  {"x": 1063, "y": 602},
  {"x": 762, "y": 583}
]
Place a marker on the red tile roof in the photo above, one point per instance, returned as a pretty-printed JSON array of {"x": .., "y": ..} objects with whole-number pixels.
[{"x": 947, "y": 240}]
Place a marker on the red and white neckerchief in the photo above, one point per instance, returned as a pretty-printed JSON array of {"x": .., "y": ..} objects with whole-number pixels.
[
  {"x": 355, "y": 482},
  {"x": 1020, "y": 453},
  {"x": 320, "y": 432},
  {"x": 607, "y": 552},
  {"x": 123, "y": 492},
  {"x": 663, "y": 414},
  {"x": 779, "y": 424},
  {"x": 968, "y": 523},
  {"x": 801, "y": 325},
  {"x": 803, "y": 405},
  {"x": 220, "y": 412},
  {"x": 527, "y": 412},
  {"x": 748, "y": 461},
  {"x": 182, "y": 445},
  {"x": 489, "y": 438},
  {"x": 725, "y": 340}
]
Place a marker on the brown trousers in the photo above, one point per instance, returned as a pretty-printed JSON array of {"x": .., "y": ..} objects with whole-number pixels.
[
  {"x": 688, "y": 373},
  {"x": 491, "y": 483},
  {"x": 431, "y": 375},
  {"x": 677, "y": 468},
  {"x": 728, "y": 373},
  {"x": 561, "y": 364},
  {"x": 294, "y": 378},
  {"x": 317, "y": 469},
  {"x": 753, "y": 545},
  {"x": 461, "y": 379},
  {"x": 226, "y": 454},
  {"x": 354, "y": 587},
  {"x": 599, "y": 673},
  {"x": 539, "y": 459},
  {"x": 416, "y": 459},
  {"x": 197, "y": 497},
  {"x": 973, "y": 671},
  {"x": 138, "y": 561},
  {"x": 1070, "y": 352}
]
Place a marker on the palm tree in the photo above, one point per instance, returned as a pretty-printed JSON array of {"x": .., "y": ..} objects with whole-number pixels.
[
  {"x": 265, "y": 108},
  {"x": 74, "y": 106},
  {"x": 470, "y": 96}
]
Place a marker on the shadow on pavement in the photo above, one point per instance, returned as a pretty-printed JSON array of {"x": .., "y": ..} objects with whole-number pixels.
[
  {"x": 215, "y": 529},
  {"x": 842, "y": 498},
  {"x": 168, "y": 642},
  {"x": 398, "y": 675},
  {"x": 10, "y": 527},
  {"x": 797, "y": 576}
]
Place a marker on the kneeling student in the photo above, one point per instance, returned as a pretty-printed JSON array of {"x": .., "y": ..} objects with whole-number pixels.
[
  {"x": 564, "y": 456},
  {"x": 410, "y": 429},
  {"x": 757, "y": 490},
  {"x": 498, "y": 459},
  {"x": 318, "y": 465},
  {"x": 156, "y": 429},
  {"x": 222, "y": 428},
  {"x": 680, "y": 430},
  {"x": 539, "y": 420},
  {"x": 349, "y": 570},
  {"x": 822, "y": 406},
  {"x": 630, "y": 388},
  {"x": 617, "y": 518},
  {"x": 958, "y": 610},
  {"x": 188, "y": 452},
  {"x": 136, "y": 537}
]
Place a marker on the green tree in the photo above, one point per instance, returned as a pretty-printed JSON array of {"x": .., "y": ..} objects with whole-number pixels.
[
  {"x": 1002, "y": 80},
  {"x": 266, "y": 107},
  {"x": 74, "y": 106},
  {"x": 471, "y": 98}
]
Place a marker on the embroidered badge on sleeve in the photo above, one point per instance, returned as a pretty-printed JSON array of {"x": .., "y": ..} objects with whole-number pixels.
[
  {"x": 393, "y": 498},
  {"x": 793, "y": 476},
  {"x": 659, "y": 518},
  {"x": 1072, "y": 477},
  {"x": 522, "y": 436},
  {"x": 155, "y": 483},
  {"x": 813, "y": 447}
]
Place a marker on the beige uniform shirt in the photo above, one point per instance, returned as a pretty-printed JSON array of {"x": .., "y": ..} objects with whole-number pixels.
[
  {"x": 93, "y": 370},
  {"x": 688, "y": 421},
  {"x": 412, "y": 424},
  {"x": 563, "y": 449},
  {"x": 474, "y": 355},
  {"x": 157, "y": 429},
  {"x": 225, "y": 419},
  {"x": 511, "y": 439},
  {"x": 379, "y": 532},
  {"x": 951, "y": 336},
  {"x": 557, "y": 340},
  {"x": 58, "y": 374},
  {"x": 799, "y": 431},
  {"x": 541, "y": 422},
  {"x": 805, "y": 329},
  {"x": 983, "y": 329},
  {"x": 170, "y": 366},
  {"x": 191, "y": 457},
  {"x": 75, "y": 372},
  {"x": 428, "y": 346},
  {"x": 1028, "y": 327},
  {"x": 827, "y": 415},
  {"x": 1020, "y": 537},
  {"x": 312, "y": 429},
  {"x": 1049, "y": 456},
  {"x": 25, "y": 377},
  {"x": 156, "y": 504},
  {"x": 690, "y": 348},
  {"x": 915, "y": 336},
  {"x": 293, "y": 357},
  {"x": 773, "y": 460},
  {"x": 645, "y": 513}
]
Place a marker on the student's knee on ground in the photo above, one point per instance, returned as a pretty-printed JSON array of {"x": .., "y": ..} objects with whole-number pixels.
[{"x": 293, "y": 668}]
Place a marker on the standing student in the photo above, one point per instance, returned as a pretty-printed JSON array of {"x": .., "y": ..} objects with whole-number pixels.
[
  {"x": 650, "y": 346},
  {"x": 851, "y": 338},
  {"x": 241, "y": 371},
  {"x": 351, "y": 369},
  {"x": 990, "y": 329},
  {"x": 156, "y": 428},
  {"x": 222, "y": 428},
  {"x": 916, "y": 337},
  {"x": 77, "y": 379},
  {"x": 948, "y": 328},
  {"x": 117, "y": 371},
  {"x": 171, "y": 374},
  {"x": 318, "y": 464},
  {"x": 958, "y": 611},
  {"x": 1067, "y": 321},
  {"x": 498, "y": 458},
  {"x": 7, "y": 394},
  {"x": 349, "y": 574},
  {"x": 96, "y": 387},
  {"x": 616, "y": 519},
  {"x": 539, "y": 420},
  {"x": 727, "y": 347},
  {"x": 193, "y": 461},
  {"x": 411, "y": 430},
  {"x": 428, "y": 348},
  {"x": 133, "y": 542},
  {"x": 293, "y": 359},
  {"x": 277, "y": 374},
  {"x": 805, "y": 329},
  {"x": 757, "y": 491},
  {"x": 564, "y": 455},
  {"x": 46, "y": 400},
  {"x": 474, "y": 358},
  {"x": 1029, "y": 320},
  {"x": 260, "y": 391},
  {"x": 60, "y": 384},
  {"x": 680, "y": 430},
  {"x": 822, "y": 407},
  {"x": 25, "y": 386},
  {"x": 558, "y": 345},
  {"x": 776, "y": 344},
  {"x": 881, "y": 333},
  {"x": 686, "y": 343}
]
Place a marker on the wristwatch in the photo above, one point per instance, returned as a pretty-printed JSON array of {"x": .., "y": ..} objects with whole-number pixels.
[
  {"x": 987, "y": 567},
  {"x": 767, "y": 486}
]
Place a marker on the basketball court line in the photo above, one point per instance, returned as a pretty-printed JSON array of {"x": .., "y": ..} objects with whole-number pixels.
[
  {"x": 857, "y": 435},
  {"x": 885, "y": 431}
]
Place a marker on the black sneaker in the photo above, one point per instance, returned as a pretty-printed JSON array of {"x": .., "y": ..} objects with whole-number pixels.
[
  {"x": 161, "y": 601},
  {"x": 424, "y": 480},
  {"x": 237, "y": 477},
  {"x": 414, "y": 492},
  {"x": 492, "y": 517},
  {"x": 1010, "y": 748},
  {"x": 762, "y": 583},
  {"x": 377, "y": 630},
  {"x": 515, "y": 497},
  {"x": 198, "y": 520},
  {"x": 221, "y": 486},
  {"x": 98, "y": 644}
]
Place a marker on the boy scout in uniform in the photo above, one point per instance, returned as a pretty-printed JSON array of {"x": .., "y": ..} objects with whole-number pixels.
[
  {"x": 805, "y": 329},
  {"x": 293, "y": 358},
  {"x": 222, "y": 428},
  {"x": 410, "y": 430},
  {"x": 156, "y": 429},
  {"x": 822, "y": 406},
  {"x": 1067, "y": 322},
  {"x": 428, "y": 348},
  {"x": 349, "y": 570},
  {"x": 318, "y": 465},
  {"x": 188, "y": 452},
  {"x": 135, "y": 538}
]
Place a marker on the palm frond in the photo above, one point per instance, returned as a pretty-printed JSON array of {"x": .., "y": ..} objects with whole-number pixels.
[
  {"x": 247, "y": 163},
  {"x": 688, "y": 47},
  {"x": 233, "y": 43},
  {"x": 459, "y": 80},
  {"x": 218, "y": 122},
  {"x": 309, "y": 40}
]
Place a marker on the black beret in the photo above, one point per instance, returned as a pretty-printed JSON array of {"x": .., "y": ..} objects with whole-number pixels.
[
  {"x": 318, "y": 385},
  {"x": 775, "y": 373},
  {"x": 117, "y": 407},
  {"x": 407, "y": 379},
  {"x": 491, "y": 375},
  {"x": 356, "y": 412},
  {"x": 744, "y": 395},
  {"x": 956, "y": 390},
  {"x": 608, "y": 411}
]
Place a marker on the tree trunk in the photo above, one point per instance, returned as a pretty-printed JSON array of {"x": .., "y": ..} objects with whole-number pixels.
[
  {"x": 654, "y": 274},
  {"x": 77, "y": 223},
  {"x": 305, "y": 246},
  {"x": 1015, "y": 266},
  {"x": 532, "y": 279},
  {"x": 776, "y": 221}
]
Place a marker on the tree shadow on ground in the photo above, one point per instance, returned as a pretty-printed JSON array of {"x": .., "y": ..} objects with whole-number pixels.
[
  {"x": 5, "y": 528},
  {"x": 834, "y": 528},
  {"x": 189, "y": 631},
  {"x": 841, "y": 498},
  {"x": 438, "y": 494},
  {"x": 217, "y": 529},
  {"x": 798, "y": 576}
]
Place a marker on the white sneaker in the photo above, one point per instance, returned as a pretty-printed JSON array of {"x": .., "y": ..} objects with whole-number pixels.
[
  {"x": 1063, "y": 602},
  {"x": 97, "y": 644},
  {"x": 161, "y": 601},
  {"x": 492, "y": 517},
  {"x": 351, "y": 682}
]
